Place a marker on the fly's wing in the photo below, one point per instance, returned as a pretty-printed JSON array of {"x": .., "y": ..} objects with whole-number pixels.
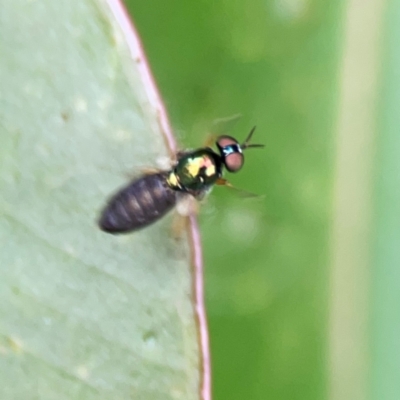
[
  {"x": 139, "y": 204},
  {"x": 221, "y": 126},
  {"x": 218, "y": 127}
]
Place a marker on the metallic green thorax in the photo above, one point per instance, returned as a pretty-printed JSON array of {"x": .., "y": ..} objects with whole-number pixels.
[{"x": 196, "y": 171}]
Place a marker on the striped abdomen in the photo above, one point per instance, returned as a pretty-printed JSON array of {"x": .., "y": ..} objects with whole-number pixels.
[{"x": 143, "y": 202}]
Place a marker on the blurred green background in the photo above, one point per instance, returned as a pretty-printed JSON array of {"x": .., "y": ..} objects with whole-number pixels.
[{"x": 302, "y": 285}]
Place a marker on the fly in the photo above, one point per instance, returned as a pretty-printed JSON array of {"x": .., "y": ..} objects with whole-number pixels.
[{"x": 148, "y": 198}]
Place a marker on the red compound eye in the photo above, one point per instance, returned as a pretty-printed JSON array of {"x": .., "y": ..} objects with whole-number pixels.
[
  {"x": 224, "y": 141},
  {"x": 234, "y": 162},
  {"x": 231, "y": 153}
]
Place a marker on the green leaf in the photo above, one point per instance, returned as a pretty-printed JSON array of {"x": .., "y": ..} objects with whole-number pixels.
[
  {"x": 385, "y": 282},
  {"x": 84, "y": 314}
]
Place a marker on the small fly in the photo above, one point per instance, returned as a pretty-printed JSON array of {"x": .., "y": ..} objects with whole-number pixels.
[{"x": 148, "y": 198}]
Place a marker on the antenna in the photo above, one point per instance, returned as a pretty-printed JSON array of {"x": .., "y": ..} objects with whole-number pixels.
[{"x": 246, "y": 144}]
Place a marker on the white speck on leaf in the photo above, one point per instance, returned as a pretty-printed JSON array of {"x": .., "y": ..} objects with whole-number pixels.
[
  {"x": 80, "y": 104},
  {"x": 82, "y": 372}
]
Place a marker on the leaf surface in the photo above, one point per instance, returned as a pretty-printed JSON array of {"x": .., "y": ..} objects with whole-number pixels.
[{"x": 83, "y": 314}]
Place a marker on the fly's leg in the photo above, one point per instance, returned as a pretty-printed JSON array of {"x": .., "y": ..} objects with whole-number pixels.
[{"x": 241, "y": 192}]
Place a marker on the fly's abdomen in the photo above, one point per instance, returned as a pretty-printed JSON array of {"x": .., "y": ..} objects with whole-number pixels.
[{"x": 140, "y": 204}]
